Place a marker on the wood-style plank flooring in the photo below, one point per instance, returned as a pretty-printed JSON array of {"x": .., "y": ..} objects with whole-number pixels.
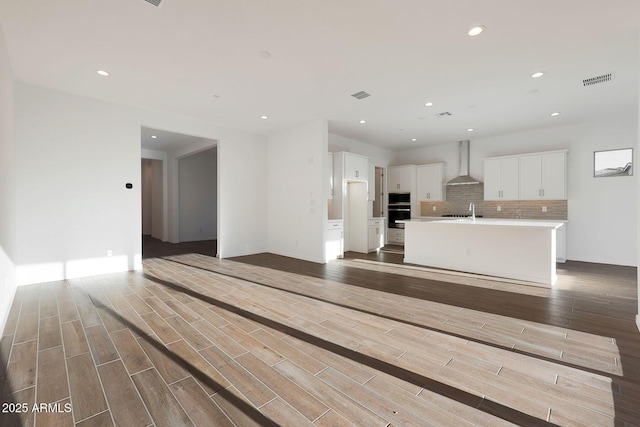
[{"x": 365, "y": 341}]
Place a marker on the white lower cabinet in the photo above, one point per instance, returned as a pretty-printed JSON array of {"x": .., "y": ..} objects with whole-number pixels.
[
  {"x": 334, "y": 246},
  {"x": 376, "y": 234},
  {"x": 395, "y": 236}
]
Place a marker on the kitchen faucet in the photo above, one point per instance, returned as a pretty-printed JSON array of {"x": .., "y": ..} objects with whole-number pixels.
[{"x": 472, "y": 208}]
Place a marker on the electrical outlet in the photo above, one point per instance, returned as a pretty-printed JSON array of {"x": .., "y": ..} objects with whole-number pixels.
[
  {"x": 544, "y": 209},
  {"x": 109, "y": 252},
  {"x": 499, "y": 208},
  {"x": 434, "y": 208}
]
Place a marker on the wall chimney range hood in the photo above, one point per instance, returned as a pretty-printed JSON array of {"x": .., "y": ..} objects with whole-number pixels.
[{"x": 463, "y": 178}]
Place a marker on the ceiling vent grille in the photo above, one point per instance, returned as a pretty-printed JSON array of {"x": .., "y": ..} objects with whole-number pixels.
[
  {"x": 156, "y": 3},
  {"x": 361, "y": 95},
  {"x": 598, "y": 79}
]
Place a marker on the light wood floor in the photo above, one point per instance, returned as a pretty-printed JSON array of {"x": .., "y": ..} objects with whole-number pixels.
[{"x": 266, "y": 340}]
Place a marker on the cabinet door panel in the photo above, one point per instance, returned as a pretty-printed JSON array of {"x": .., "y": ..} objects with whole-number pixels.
[
  {"x": 435, "y": 174},
  {"x": 355, "y": 168},
  {"x": 422, "y": 183},
  {"x": 492, "y": 178},
  {"x": 509, "y": 169},
  {"x": 554, "y": 176},
  {"x": 530, "y": 177},
  {"x": 401, "y": 179}
]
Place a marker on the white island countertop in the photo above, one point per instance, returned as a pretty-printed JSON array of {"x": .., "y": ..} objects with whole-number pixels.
[
  {"x": 521, "y": 249},
  {"x": 491, "y": 221}
]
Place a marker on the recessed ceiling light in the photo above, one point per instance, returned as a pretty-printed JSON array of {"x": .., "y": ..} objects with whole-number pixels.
[
  {"x": 153, "y": 137},
  {"x": 264, "y": 117},
  {"x": 363, "y": 122},
  {"x": 556, "y": 114},
  {"x": 102, "y": 73},
  {"x": 470, "y": 130},
  {"x": 537, "y": 74},
  {"x": 477, "y": 30},
  {"x": 413, "y": 139},
  {"x": 429, "y": 104}
]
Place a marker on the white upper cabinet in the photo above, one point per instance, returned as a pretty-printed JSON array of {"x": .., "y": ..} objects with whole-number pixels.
[
  {"x": 429, "y": 182},
  {"x": 401, "y": 179},
  {"x": 501, "y": 178},
  {"x": 543, "y": 176},
  {"x": 356, "y": 168}
]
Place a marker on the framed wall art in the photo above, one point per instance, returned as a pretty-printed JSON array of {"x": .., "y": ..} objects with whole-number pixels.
[{"x": 613, "y": 163}]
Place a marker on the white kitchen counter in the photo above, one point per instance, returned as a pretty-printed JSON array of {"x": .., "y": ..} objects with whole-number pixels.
[
  {"x": 492, "y": 221},
  {"x": 511, "y": 248}
]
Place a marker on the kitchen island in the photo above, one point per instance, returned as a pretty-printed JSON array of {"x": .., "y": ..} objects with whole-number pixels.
[{"x": 510, "y": 248}]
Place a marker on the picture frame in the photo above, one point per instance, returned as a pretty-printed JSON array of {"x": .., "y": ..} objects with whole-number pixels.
[{"x": 613, "y": 163}]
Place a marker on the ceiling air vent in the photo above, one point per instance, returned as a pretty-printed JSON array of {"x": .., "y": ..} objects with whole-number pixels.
[
  {"x": 361, "y": 95},
  {"x": 156, "y": 3},
  {"x": 598, "y": 79}
]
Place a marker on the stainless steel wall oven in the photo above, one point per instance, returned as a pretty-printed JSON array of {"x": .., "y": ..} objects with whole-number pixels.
[{"x": 399, "y": 208}]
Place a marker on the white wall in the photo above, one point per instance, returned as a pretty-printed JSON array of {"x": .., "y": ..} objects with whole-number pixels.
[
  {"x": 159, "y": 193},
  {"x": 157, "y": 199},
  {"x": 242, "y": 195},
  {"x": 602, "y": 212},
  {"x": 74, "y": 156},
  {"x": 152, "y": 198},
  {"x": 7, "y": 186},
  {"x": 297, "y": 206},
  {"x": 146, "y": 185},
  {"x": 377, "y": 155},
  {"x": 198, "y": 177}
]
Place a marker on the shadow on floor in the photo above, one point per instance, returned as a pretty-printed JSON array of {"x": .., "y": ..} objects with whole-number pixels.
[{"x": 155, "y": 248}]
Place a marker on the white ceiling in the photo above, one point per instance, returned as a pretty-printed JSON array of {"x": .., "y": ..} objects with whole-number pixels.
[{"x": 201, "y": 58}]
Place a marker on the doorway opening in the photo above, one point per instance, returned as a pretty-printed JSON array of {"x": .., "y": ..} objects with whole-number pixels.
[{"x": 179, "y": 194}]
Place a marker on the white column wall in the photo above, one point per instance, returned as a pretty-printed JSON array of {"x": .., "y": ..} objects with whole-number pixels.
[
  {"x": 242, "y": 195},
  {"x": 7, "y": 186},
  {"x": 147, "y": 188},
  {"x": 157, "y": 199},
  {"x": 297, "y": 205}
]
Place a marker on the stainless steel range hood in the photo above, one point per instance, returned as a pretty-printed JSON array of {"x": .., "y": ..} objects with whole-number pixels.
[{"x": 463, "y": 178}]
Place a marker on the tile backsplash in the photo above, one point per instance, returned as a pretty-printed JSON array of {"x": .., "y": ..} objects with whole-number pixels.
[{"x": 459, "y": 196}]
